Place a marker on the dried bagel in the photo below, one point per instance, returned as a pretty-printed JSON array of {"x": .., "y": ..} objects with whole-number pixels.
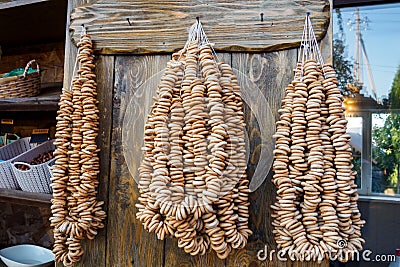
[
  {"x": 76, "y": 213},
  {"x": 193, "y": 184},
  {"x": 316, "y": 202}
]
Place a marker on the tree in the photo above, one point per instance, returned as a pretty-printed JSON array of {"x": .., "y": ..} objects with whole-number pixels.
[
  {"x": 386, "y": 152},
  {"x": 394, "y": 95},
  {"x": 387, "y": 141},
  {"x": 342, "y": 65}
]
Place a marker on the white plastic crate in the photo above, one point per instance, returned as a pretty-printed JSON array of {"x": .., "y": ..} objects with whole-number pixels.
[
  {"x": 7, "y": 154},
  {"x": 37, "y": 178}
]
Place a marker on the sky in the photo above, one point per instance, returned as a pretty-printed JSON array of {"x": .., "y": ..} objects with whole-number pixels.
[{"x": 382, "y": 41}]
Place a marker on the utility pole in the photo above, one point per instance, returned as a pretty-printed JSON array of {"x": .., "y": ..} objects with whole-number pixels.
[
  {"x": 360, "y": 53},
  {"x": 357, "y": 51}
]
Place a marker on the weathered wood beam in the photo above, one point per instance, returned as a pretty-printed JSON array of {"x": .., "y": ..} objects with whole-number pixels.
[
  {"x": 24, "y": 198},
  {"x": 142, "y": 27}
]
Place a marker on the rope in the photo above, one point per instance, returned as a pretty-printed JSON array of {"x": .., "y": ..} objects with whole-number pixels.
[
  {"x": 83, "y": 32},
  {"x": 197, "y": 33},
  {"x": 309, "y": 48}
]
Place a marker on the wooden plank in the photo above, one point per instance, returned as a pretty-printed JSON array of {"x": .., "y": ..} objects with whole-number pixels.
[
  {"x": 225, "y": 57},
  {"x": 140, "y": 26},
  {"x": 105, "y": 81},
  {"x": 326, "y": 42},
  {"x": 25, "y": 198},
  {"x": 95, "y": 254},
  {"x": 175, "y": 256},
  {"x": 47, "y": 100},
  {"x": 268, "y": 73},
  {"x": 271, "y": 72},
  {"x": 31, "y": 106},
  {"x": 70, "y": 49},
  {"x": 128, "y": 244}
]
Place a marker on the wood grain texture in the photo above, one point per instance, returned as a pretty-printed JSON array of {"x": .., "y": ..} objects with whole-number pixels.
[
  {"x": 161, "y": 26},
  {"x": 326, "y": 42},
  {"x": 270, "y": 72},
  {"x": 139, "y": 105},
  {"x": 70, "y": 49},
  {"x": 22, "y": 197},
  {"x": 95, "y": 254},
  {"x": 128, "y": 243}
]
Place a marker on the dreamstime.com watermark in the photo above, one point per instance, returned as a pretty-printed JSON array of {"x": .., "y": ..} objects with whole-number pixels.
[{"x": 285, "y": 255}]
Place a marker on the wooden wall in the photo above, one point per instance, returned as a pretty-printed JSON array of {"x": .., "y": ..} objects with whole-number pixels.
[{"x": 123, "y": 242}]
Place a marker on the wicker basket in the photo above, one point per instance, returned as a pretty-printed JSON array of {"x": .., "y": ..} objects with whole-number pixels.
[
  {"x": 37, "y": 178},
  {"x": 8, "y": 153},
  {"x": 25, "y": 85}
]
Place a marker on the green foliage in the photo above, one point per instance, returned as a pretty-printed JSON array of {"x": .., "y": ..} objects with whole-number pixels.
[
  {"x": 394, "y": 96},
  {"x": 387, "y": 140},
  {"x": 356, "y": 161},
  {"x": 342, "y": 65},
  {"x": 386, "y": 149}
]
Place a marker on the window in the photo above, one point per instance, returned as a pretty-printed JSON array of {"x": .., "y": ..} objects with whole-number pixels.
[
  {"x": 367, "y": 60},
  {"x": 385, "y": 152},
  {"x": 354, "y": 128}
]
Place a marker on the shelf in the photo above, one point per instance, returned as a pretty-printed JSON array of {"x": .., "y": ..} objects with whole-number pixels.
[
  {"x": 24, "y": 198},
  {"x": 16, "y": 3},
  {"x": 46, "y": 101}
]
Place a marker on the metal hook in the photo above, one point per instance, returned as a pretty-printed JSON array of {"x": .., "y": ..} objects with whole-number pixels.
[
  {"x": 129, "y": 22},
  {"x": 83, "y": 29},
  {"x": 262, "y": 17}
]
